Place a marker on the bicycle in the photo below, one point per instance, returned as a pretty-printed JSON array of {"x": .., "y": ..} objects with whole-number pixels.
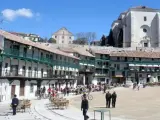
[{"x": 89, "y": 96}]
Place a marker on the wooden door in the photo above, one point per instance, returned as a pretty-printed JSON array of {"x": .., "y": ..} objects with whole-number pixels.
[
  {"x": 13, "y": 90},
  {"x": 22, "y": 86}
]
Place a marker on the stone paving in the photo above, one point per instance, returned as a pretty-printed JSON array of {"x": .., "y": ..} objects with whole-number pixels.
[
  {"x": 131, "y": 104},
  {"x": 41, "y": 110}
]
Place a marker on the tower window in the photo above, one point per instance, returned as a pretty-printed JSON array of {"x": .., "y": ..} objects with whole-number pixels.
[
  {"x": 145, "y": 18},
  {"x": 62, "y": 37},
  {"x": 145, "y": 44},
  {"x": 144, "y": 30}
]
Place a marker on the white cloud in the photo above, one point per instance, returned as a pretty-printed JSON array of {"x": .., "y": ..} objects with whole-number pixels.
[{"x": 11, "y": 15}]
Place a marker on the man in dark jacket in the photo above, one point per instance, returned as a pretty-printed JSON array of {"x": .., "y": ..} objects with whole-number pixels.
[
  {"x": 104, "y": 90},
  {"x": 84, "y": 107},
  {"x": 114, "y": 97},
  {"x": 14, "y": 104},
  {"x": 108, "y": 99}
]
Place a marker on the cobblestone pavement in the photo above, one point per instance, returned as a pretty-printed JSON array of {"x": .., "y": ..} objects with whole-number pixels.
[
  {"x": 131, "y": 104},
  {"x": 42, "y": 110},
  {"x": 37, "y": 112}
]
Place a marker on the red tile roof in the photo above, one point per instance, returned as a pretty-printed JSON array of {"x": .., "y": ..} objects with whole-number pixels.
[
  {"x": 18, "y": 39},
  {"x": 140, "y": 54}
]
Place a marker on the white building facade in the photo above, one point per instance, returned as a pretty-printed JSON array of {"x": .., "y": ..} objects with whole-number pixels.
[
  {"x": 63, "y": 36},
  {"x": 137, "y": 27},
  {"x": 26, "y": 66}
]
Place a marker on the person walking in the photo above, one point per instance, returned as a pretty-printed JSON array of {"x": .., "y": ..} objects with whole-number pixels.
[
  {"x": 68, "y": 90},
  {"x": 114, "y": 97},
  {"x": 14, "y": 104},
  {"x": 108, "y": 99},
  {"x": 104, "y": 90},
  {"x": 138, "y": 86},
  {"x": 49, "y": 91},
  {"x": 84, "y": 107}
]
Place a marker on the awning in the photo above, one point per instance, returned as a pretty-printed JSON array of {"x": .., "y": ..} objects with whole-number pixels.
[
  {"x": 131, "y": 65},
  {"x": 156, "y": 65},
  {"x": 144, "y": 65},
  {"x": 138, "y": 65},
  {"x": 118, "y": 75},
  {"x": 150, "y": 65}
]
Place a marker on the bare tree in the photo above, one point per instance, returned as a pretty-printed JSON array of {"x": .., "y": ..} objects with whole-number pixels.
[{"x": 89, "y": 36}]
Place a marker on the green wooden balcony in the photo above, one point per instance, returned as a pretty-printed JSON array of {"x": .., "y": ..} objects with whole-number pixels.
[
  {"x": 105, "y": 59},
  {"x": 30, "y": 57},
  {"x": 136, "y": 61},
  {"x": 102, "y": 66},
  {"x": 66, "y": 64},
  {"x": 87, "y": 62}
]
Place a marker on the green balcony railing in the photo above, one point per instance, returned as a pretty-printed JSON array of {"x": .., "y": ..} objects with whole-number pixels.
[
  {"x": 102, "y": 66},
  {"x": 102, "y": 58},
  {"x": 66, "y": 64},
  {"x": 88, "y": 62},
  {"x": 137, "y": 61},
  {"x": 20, "y": 55}
]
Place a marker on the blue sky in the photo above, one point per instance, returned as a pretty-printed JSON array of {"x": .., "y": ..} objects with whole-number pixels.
[{"x": 43, "y": 17}]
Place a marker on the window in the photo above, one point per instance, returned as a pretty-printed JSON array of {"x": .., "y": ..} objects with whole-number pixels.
[
  {"x": 55, "y": 36},
  {"x": 6, "y": 65},
  {"x": 62, "y": 41},
  {"x": 24, "y": 67},
  {"x": 70, "y": 37},
  {"x": 113, "y": 73},
  {"x": 31, "y": 88},
  {"x": 145, "y": 18},
  {"x": 62, "y": 37},
  {"x": 126, "y": 59},
  {"x": 140, "y": 75},
  {"x": 118, "y": 66},
  {"x": 41, "y": 54},
  {"x": 145, "y": 44},
  {"x": 118, "y": 58},
  {"x": 144, "y": 30}
]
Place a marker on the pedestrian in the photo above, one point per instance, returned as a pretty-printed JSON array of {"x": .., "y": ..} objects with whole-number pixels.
[
  {"x": 65, "y": 91},
  {"x": 49, "y": 91},
  {"x": 84, "y": 107},
  {"x": 138, "y": 86},
  {"x": 114, "y": 97},
  {"x": 14, "y": 104},
  {"x": 68, "y": 91},
  {"x": 134, "y": 86},
  {"x": 108, "y": 99}
]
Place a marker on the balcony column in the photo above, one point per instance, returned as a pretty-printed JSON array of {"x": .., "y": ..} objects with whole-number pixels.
[
  {"x": 18, "y": 67},
  {"x": 31, "y": 68},
  {"x": 25, "y": 69},
  {"x": 75, "y": 84},
  {"x": 84, "y": 79},
  {"x": 10, "y": 66},
  {"x": 37, "y": 70}
]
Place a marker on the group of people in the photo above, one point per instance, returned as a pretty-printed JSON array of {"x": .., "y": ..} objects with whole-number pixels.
[
  {"x": 111, "y": 98},
  {"x": 41, "y": 92}
]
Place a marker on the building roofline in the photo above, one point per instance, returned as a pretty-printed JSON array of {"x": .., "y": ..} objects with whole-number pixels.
[
  {"x": 18, "y": 39},
  {"x": 61, "y": 29}
]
